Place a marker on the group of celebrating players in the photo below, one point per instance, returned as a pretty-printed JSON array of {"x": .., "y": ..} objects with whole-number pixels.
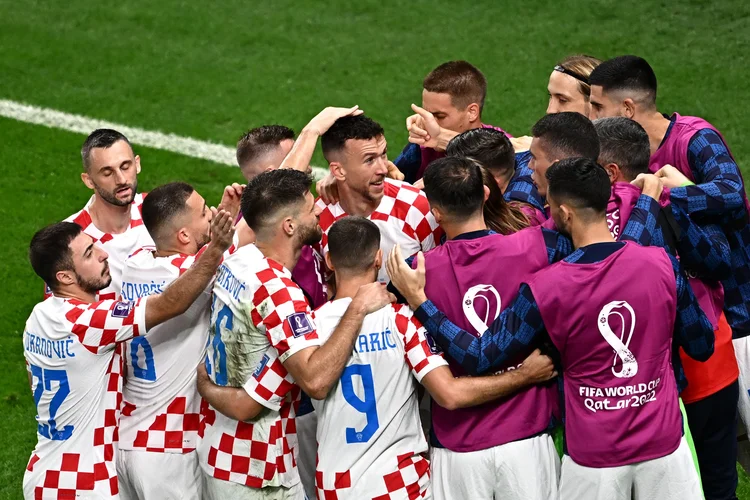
[{"x": 593, "y": 277}]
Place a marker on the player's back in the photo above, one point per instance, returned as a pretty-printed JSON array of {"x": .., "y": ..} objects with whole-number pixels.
[
  {"x": 162, "y": 405},
  {"x": 118, "y": 246},
  {"x": 369, "y": 432},
  {"x": 70, "y": 348},
  {"x": 256, "y": 453}
]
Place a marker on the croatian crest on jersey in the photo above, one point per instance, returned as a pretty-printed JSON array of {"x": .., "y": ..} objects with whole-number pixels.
[
  {"x": 616, "y": 323},
  {"x": 300, "y": 324},
  {"x": 122, "y": 309},
  {"x": 481, "y": 305}
]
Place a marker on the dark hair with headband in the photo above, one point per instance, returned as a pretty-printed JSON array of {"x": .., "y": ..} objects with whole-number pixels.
[{"x": 579, "y": 67}]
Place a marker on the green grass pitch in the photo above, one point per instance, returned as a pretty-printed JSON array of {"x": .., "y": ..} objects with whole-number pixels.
[{"x": 212, "y": 70}]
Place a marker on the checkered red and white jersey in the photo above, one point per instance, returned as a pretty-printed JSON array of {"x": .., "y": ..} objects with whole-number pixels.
[
  {"x": 256, "y": 306},
  {"x": 161, "y": 411},
  {"x": 72, "y": 352},
  {"x": 118, "y": 246},
  {"x": 370, "y": 439},
  {"x": 403, "y": 217}
]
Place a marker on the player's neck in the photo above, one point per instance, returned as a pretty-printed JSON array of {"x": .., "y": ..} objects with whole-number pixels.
[
  {"x": 588, "y": 234},
  {"x": 656, "y": 126},
  {"x": 75, "y": 292},
  {"x": 285, "y": 252},
  {"x": 354, "y": 203},
  {"x": 109, "y": 218},
  {"x": 174, "y": 249},
  {"x": 347, "y": 288},
  {"x": 457, "y": 228}
]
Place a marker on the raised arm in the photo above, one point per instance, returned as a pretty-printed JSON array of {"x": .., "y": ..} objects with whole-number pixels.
[{"x": 183, "y": 291}]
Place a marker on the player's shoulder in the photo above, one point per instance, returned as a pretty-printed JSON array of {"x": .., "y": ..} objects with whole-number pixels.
[
  {"x": 403, "y": 191},
  {"x": 82, "y": 217},
  {"x": 329, "y": 213}
]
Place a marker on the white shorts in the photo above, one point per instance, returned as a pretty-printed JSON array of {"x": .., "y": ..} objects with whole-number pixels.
[
  {"x": 145, "y": 475},
  {"x": 667, "y": 478},
  {"x": 307, "y": 451},
  {"x": 218, "y": 489},
  {"x": 522, "y": 470}
]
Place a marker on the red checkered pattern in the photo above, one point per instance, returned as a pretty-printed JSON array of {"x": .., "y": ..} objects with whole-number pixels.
[
  {"x": 411, "y": 480},
  {"x": 418, "y": 353},
  {"x": 100, "y": 325},
  {"x": 403, "y": 218},
  {"x": 170, "y": 431},
  {"x": 270, "y": 383},
  {"x": 118, "y": 246},
  {"x": 279, "y": 298}
]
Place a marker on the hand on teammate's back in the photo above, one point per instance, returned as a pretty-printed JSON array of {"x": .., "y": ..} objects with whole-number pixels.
[
  {"x": 423, "y": 128},
  {"x": 326, "y": 118},
  {"x": 410, "y": 282},
  {"x": 222, "y": 229},
  {"x": 230, "y": 200},
  {"x": 372, "y": 297},
  {"x": 649, "y": 184},
  {"x": 538, "y": 367},
  {"x": 671, "y": 177}
]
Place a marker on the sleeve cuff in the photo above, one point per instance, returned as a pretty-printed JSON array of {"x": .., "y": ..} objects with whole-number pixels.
[
  {"x": 298, "y": 346},
  {"x": 249, "y": 388},
  {"x": 139, "y": 316}
]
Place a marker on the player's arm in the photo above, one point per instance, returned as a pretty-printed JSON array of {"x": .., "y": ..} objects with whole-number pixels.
[
  {"x": 558, "y": 245},
  {"x": 183, "y": 291},
  {"x": 512, "y": 334},
  {"x": 424, "y": 130},
  {"x": 644, "y": 219},
  {"x": 720, "y": 190},
  {"x": 460, "y": 392},
  {"x": 521, "y": 187},
  {"x": 703, "y": 249},
  {"x": 302, "y": 152},
  {"x": 234, "y": 402},
  {"x": 692, "y": 329}
]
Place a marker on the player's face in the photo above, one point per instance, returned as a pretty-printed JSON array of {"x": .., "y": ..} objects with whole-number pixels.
[
  {"x": 365, "y": 165},
  {"x": 113, "y": 173},
  {"x": 447, "y": 115},
  {"x": 565, "y": 95},
  {"x": 272, "y": 161},
  {"x": 539, "y": 164},
  {"x": 309, "y": 231},
  {"x": 90, "y": 264},
  {"x": 199, "y": 223},
  {"x": 602, "y": 106}
]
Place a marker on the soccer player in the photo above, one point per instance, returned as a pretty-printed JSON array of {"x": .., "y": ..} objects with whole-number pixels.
[
  {"x": 370, "y": 441},
  {"x": 264, "y": 148},
  {"x": 623, "y": 428},
  {"x": 568, "y": 85},
  {"x": 257, "y": 305},
  {"x": 112, "y": 217},
  {"x": 712, "y": 389},
  {"x": 500, "y": 449},
  {"x": 161, "y": 413},
  {"x": 452, "y": 101},
  {"x": 356, "y": 150},
  {"x": 70, "y": 344},
  {"x": 494, "y": 151}
]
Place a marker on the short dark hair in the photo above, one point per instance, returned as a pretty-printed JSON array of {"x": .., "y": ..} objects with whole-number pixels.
[
  {"x": 260, "y": 141},
  {"x": 490, "y": 147},
  {"x": 100, "y": 138},
  {"x": 353, "y": 243},
  {"x": 580, "y": 182},
  {"x": 49, "y": 251},
  {"x": 162, "y": 205},
  {"x": 270, "y": 192},
  {"x": 461, "y": 80},
  {"x": 631, "y": 73},
  {"x": 624, "y": 142},
  {"x": 567, "y": 134},
  {"x": 454, "y": 184},
  {"x": 349, "y": 127}
]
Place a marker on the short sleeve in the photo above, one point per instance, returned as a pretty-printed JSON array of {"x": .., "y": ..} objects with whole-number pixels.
[
  {"x": 99, "y": 326},
  {"x": 280, "y": 308},
  {"x": 421, "y": 353},
  {"x": 270, "y": 382}
]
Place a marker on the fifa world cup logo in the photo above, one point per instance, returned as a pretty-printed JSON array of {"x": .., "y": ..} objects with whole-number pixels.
[
  {"x": 619, "y": 342},
  {"x": 484, "y": 293}
]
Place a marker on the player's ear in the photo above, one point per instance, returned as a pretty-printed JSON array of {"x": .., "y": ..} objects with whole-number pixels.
[
  {"x": 329, "y": 262},
  {"x": 268, "y": 168},
  {"x": 613, "y": 172},
  {"x": 628, "y": 108},
  {"x": 289, "y": 226},
  {"x": 473, "y": 111},
  {"x": 436, "y": 213},
  {"x": 86, "y": 178},
  {"x": 137, "y": 164},
  {"x": 66, "y": 277},
  {"x": 378, "y": 258},
  {"x": 486, "y": 193},
  {"x": 182, "y": 236},
  {"x": 337, "y": 169}
]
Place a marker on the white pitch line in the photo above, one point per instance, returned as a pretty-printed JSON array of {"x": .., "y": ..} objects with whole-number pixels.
[{"x": 187, "y": 146}]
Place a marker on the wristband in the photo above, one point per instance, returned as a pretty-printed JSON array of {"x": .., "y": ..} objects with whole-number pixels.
[{"x": 688, "y": 183}]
